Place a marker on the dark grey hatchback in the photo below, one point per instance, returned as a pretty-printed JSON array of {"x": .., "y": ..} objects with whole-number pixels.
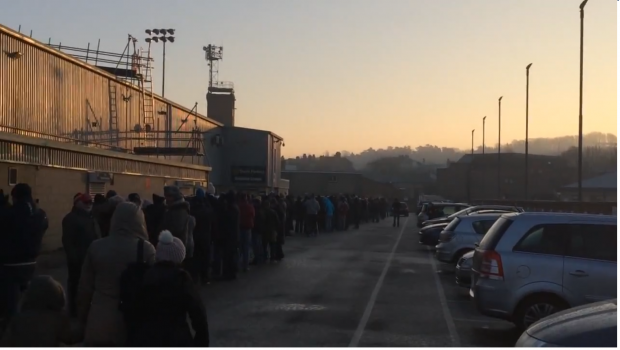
[{"x": 592, "y": 325}]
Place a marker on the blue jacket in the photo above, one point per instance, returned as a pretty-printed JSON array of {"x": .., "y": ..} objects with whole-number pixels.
[{"x": 329, "y": 207}]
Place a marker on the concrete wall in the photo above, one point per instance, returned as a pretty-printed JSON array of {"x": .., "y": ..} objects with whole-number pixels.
[{"x": 56, "y": 187}]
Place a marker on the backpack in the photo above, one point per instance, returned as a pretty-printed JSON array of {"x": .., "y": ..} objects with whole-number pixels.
[{"x": 130, "y": 284}]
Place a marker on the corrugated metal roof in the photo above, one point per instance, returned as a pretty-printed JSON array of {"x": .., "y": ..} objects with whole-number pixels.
[{"x": 605, "y": 181}]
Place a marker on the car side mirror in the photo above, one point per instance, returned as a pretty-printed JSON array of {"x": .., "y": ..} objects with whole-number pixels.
[{"x": 477, "y": 244}]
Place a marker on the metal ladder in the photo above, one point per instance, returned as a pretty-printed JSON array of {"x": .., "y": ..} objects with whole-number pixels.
[
  {"x": 148, "y": 102},
  {"x": 113, "y": 113}
]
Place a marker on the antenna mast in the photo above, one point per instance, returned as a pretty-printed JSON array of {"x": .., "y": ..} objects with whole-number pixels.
[{"x": 213, "y": 54}]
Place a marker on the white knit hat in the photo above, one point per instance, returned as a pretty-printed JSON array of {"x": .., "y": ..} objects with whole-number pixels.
[{"x": 170, "y": 248}]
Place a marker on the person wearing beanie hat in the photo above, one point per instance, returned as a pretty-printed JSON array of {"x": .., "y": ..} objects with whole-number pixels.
[
  {"x": 169, "y": 248},
  {"x": 165, "y": 300},
  {"x": 200, "y": 193},
  {"x": 110, "y": 194}
]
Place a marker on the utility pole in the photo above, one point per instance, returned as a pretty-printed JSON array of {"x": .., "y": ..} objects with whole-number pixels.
[
  {"x": 580, "y": 156},
  {"x": 499, "y": 150},
  {"x": 527, "y": 126},
  {"x": 483, "y": 132}
]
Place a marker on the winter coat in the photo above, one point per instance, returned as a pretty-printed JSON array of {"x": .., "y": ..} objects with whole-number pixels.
[
  {"x": 79, "y": 230},
  {"x": 103, "y": 214},
  {"x": 153, "y": 215},
  {"x": 329, "y": 207},
  {"x": 23, "y": 226},
  {"x": 202, "y": 211},
  {"x": 41, "y": 321},
  {"x": 230, "y": 224},
  {"x": 167, "y": 297},
  {"x": 272, "y": 222},
  {"x": 177, "y": 220},
  {"x": 246, "y": 215},
  {"x": 99, "y": 288},
  {"x": 312, "y": 206}
]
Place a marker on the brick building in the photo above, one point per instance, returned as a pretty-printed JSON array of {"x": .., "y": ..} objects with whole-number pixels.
[
  {"x": 331, "y": 183},
  {"x": 475, "y": 177}
]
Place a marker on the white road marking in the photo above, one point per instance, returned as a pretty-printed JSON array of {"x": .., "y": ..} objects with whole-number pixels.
[
  {"x": 454, "y": 336},
  {"x": 359, "y": 332}
]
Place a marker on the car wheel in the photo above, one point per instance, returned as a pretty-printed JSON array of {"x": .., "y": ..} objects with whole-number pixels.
[{"x": 535, "y": 308}]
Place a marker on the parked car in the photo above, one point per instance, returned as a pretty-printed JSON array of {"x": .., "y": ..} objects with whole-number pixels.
[
  {"x": 593, "y": 326},
  {"x": 404, "y": 209},
  {"x": 461, "y": 235},
  {"x": 429, "y": 235},
  {"x": 531, "y": 265},
  {"x": 472, "y": 210},
  {"x": 439, "y": 209},
  {"x": 463, "y": 270}
]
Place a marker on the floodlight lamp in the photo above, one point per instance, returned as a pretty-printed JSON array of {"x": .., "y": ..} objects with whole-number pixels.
[
  {"x": 162, "y": 31},
  {"x": 501, "y": 98},
  {"x": 170, "y": 31},
  {"x": 156, "y": 31},
  {"x": 204, "y": 48},
  {"x": 163, "y": 39},
  {"x": 148, "y": 40},
  {"x": 148, "y": 31},
  {"x": 171, "y": 39},
  {"x": 528, "y": 66},
  {"x": 155, "y": 39}
]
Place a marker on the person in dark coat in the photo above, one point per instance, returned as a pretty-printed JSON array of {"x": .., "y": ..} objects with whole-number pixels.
[
  {"x": 270, "y": 233},
  {"x": 177, "y": 219},
  {"x": 300, "y": 213},
  {"x": 257, "y": 232},
  {"x": 153, "y": 214},
  {"x": 290, "y": 215},
  {"x": 165, "y": 300},
  {"x": 396, "y": 212},
  {"x": 23, "y": 226},
  {"x": 105, "y": 212},
  {"x": 79, "y": 230},
  {"x": 357, "y": 212},
  {"x": 202, "y": 211},
  {"x": 230, "y": 223}
]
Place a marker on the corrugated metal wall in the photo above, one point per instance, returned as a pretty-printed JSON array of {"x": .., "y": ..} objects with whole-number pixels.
[{"x": 45, "y": 95}]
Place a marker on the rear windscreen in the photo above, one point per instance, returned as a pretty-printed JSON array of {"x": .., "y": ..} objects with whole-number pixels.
[
  {"x": 453, "y": 224},
  {"x": 495, "y": 233}
]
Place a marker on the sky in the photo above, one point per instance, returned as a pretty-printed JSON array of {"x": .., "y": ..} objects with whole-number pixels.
[{"x": 333, "y": 75}]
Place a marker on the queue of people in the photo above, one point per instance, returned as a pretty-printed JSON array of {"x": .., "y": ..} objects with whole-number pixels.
[
  {"x": 313, "y": 214},
  {"x": 135, "y": 267}
]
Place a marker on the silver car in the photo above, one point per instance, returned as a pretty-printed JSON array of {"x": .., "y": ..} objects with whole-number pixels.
[
  {"x": 531, "y": 265},
  {"x": 461, "y": 235},
  {"x": 463, "y": 270}
]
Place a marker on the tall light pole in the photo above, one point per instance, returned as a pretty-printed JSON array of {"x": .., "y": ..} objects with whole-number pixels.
[
  {"x": 580, "y": 151},
  {"x": 471, "y": 162},
  {"x": 527, "y": 128},
  {"x": 499, "y": 149},
  {"x": 484, "y": 120},
  {"x": 166, "y": 36}
]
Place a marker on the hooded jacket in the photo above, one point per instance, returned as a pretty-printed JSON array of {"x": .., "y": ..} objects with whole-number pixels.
[
  {"x": 99, "y": 288},
  {"x": 177, "y": 220},
  {"x": 41, "y": 321}
]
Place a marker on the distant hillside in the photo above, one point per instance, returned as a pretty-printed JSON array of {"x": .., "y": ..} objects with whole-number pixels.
[{"x": 430, "y": 154}]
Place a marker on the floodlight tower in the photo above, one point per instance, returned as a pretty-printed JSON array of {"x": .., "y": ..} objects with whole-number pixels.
[{"x": 213, "y": 54}]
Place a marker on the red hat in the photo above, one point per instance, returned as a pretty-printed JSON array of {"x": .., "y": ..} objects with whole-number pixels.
[{"x": 82, "y": 197}]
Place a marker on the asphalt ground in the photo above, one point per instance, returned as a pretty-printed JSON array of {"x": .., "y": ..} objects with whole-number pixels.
[{"x": 376, "y": 286}]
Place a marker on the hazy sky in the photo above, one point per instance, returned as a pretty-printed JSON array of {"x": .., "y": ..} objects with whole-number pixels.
[{"x": 351, "y": 74}]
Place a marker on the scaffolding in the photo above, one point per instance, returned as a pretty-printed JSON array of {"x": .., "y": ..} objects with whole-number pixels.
[{"x": 134, "y": 66}]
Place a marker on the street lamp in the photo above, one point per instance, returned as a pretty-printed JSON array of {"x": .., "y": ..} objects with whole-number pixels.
[
  {"x": 527, "y": 126},
  {"x": 166, "y": 35},
  {"x": 472, "y": 141},
  {"x": 580, "y": 151},
  {"x": 471, "y": 162},
  {"x": 499, "y": 149},
  {"x": 483, "y": 132}
]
